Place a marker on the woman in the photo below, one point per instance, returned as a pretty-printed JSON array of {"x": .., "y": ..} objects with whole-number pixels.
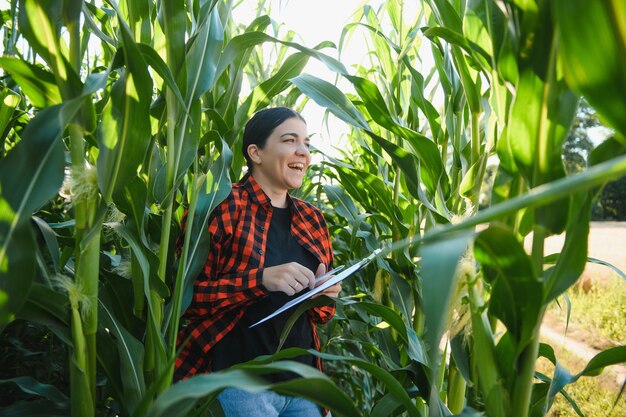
[{"x": 266, "y": 247}]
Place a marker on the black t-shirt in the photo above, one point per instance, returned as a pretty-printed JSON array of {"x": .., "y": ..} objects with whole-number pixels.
[{"x": 242, "y": 344}]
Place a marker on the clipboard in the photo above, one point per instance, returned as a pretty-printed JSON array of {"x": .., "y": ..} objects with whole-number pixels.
[{"x": 332, "y": 281}]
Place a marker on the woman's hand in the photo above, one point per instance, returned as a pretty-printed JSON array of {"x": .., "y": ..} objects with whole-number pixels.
[
  {"x": 289, "y": 278},
  {"x": 332, "y": 291}
]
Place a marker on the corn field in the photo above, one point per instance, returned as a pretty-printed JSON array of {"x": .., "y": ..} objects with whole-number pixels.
[{"x": 117, "y": 116}]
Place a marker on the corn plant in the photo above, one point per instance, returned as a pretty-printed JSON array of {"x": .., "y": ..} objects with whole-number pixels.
[
  {"x": 506, "y": 91},
  {"x": 138, "y": 105}
]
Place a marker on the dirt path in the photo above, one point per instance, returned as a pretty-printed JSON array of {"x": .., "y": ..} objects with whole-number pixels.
[
  {"x": 607, "y": 242},
  {"x": 575, "y": 343}
]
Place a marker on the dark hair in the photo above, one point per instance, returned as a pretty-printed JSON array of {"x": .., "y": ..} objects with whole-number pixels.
[{"x": 261, "y": 126}]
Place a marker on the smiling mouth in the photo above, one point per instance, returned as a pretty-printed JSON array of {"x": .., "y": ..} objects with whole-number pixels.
[{"x": 297, "y": 166}]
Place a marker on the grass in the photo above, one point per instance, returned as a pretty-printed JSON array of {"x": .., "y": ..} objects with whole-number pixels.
[
  {"x": 592, "y": 401},
  {"x": 598, "y": 319},
  {"x": 599, "y": 312},
  {"x": 594, "y": 396}
]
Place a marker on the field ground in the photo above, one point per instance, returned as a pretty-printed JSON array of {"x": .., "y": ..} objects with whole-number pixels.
[
  {"x": 607, "y": 242},
  {"x": 576, "y": 345}
]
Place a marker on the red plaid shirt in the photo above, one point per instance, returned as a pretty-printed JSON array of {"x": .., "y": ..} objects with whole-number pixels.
[{"x": 232, "y": 275}]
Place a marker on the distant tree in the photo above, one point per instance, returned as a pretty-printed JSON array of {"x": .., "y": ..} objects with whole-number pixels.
[
  {"x": 587, "y": 129},
  {"x": 578, "y": 143},
  {"x": 611, "y": 205}
]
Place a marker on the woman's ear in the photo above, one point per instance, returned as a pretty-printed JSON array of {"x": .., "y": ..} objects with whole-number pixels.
[{"x": 253, "y": 152}]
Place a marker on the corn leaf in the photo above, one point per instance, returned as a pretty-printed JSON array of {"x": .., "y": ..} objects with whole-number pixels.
[
  {"x": 32, "y": 386},
  {"x": 385, "y": 407},
  {"x": 391, "y": 383},
  {"x": 439, "y": 279},
  {"x": 202, "y": 57},
  {"x": 35, "y": 408},
  {"x": 446, "y": 14},
  {"x": 268, "y": 89},
  {"x": 432, "y": 167},
  {"x": 247, "y": 40},
  {"x": 50, "y": 308},
  {"x": 517, "y": 295},
  {"x": 342, "y": 203},
  {"x": 41, "y": 26},
  {"x": 409, "y": 164},
  {"x": 124, "y": 134},
  {"x": 17, "y": 255},
  {"x": 327, "y": 95},
  {"x": 8, "y": 116},
  {"x": 132, "y": 202},
  {"x": 213, "y": 189},
  {"x": 594, "y": 367},
  {"x": 369, "y": 190},
  {"x": 155, "y": 61},
  {"x": 592, "y": 45},
  {"x": 603, "y": 359},
  {"x": 131, "y": 354},
  {"x": 50, "y": 237},
  {"x": 572, "y": 259},
  {"x": 30, "y": 175},
  {"x": 541, "y": 113},
  {"x": 182, "y": 396},
  {"x": 37, "y": 84},
  {"x": 173, "y": 22}
]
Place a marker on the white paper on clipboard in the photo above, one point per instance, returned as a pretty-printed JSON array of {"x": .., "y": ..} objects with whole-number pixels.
[{"x": 332, "y": 281}]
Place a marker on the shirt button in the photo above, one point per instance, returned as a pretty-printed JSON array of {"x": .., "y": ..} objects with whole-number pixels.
[
  {"x": 260, "y": 251},
  {"x": 263, "y": 229}
]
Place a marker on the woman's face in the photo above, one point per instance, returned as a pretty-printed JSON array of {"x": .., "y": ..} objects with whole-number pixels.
[{"x": 283, "y": 161}]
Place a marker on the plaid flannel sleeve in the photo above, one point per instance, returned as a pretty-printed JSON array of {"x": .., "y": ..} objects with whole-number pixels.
[
  {"x": 216, "y": 292},
  {"x": 323, "y": 314}
]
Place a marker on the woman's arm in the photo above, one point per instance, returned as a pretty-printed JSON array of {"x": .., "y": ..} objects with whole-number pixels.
[{"x": 216, "y": 292}]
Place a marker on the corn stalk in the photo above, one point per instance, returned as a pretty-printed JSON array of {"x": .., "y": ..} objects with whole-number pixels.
[{"x": 149, "y": 121}]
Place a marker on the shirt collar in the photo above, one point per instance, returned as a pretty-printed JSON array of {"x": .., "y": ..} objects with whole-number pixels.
[{"x": 258, "y": 195}]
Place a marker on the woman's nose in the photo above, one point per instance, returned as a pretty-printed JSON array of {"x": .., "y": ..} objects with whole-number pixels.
[{"x": 302, "y": 149}]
